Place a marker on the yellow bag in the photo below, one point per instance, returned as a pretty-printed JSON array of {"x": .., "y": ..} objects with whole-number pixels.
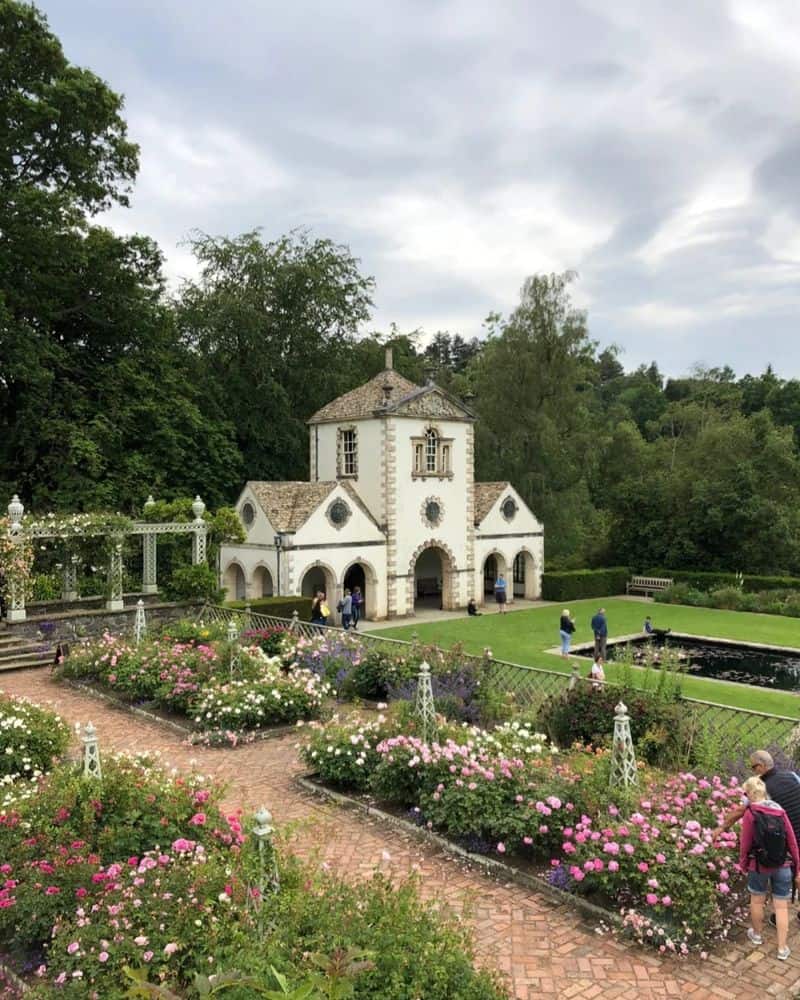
[{"x": 325, "y": 610}]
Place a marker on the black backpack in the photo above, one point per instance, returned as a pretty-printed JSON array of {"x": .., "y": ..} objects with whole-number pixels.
[{"x": 769, "y": 839}]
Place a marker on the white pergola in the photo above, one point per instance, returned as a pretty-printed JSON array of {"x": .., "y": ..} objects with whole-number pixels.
[{"x": 19, "y": 533}]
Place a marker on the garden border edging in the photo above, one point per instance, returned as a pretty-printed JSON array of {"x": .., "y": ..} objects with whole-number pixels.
[{"x": 490, "y": 866}]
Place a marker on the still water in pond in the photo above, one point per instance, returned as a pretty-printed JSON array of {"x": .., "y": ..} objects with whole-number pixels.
[{"x": 772, "y": 668}]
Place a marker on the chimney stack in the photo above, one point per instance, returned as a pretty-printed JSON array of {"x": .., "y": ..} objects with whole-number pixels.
[{"x": 389, "y": 359}]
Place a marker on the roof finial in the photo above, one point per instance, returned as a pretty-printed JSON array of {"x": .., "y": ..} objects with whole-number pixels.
[{"x": 389, "y": 364}]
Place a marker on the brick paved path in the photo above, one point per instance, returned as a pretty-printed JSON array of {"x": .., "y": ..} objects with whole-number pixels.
[{"x": 545, "y": 950}]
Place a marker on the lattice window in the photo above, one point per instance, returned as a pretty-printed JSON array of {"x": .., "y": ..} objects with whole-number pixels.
[
  {"x": 419, "y": 458},
  {"x": 445, "y": 465},
  {"x": 432, "y": 454},
  {"x": 519, "y": 568}
]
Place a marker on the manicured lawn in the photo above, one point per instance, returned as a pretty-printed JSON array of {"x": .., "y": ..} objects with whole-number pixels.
[{"x": 523, "y": 637}]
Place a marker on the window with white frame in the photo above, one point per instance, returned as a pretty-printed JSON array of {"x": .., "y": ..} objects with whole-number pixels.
[
  {"x": 432, "y": 454},
  {"x": 348, "y": 451},
  {"x": 431, "y": 450}
]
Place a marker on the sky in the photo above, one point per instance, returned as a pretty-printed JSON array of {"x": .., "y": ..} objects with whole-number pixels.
[{"x": 459, "y": 146}]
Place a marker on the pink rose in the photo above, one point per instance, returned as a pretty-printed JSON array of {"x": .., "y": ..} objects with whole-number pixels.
[
  {"x": 103, "y": 956},
  {"x": 651, "y": 899},
  {"x": 501, "y": 848}
]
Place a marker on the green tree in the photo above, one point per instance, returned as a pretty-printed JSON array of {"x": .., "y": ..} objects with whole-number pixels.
[
  {"x": 534, "y": 402},
  {"x": 274, "y": 324}
]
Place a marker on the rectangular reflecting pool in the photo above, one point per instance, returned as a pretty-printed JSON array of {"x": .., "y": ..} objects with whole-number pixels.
[{"x": 761, "y": 666}]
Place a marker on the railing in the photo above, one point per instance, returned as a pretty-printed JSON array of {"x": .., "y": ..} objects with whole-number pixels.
[{"x": 532, "y": 686}]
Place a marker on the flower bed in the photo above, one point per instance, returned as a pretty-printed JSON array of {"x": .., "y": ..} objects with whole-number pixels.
[
  {"x": 142, "y": 877},
  {"x": 647, "y": 856},
  {"x": 228, "y": 692}
]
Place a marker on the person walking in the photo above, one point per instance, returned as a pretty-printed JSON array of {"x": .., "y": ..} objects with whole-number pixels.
[
  {"x": 500, "y": 594},
  {"x": 320, "y": 610},
  {"x": 782, "y": 787},
  {"x": 768, "y": 853},
  {"x": 566, "y": 627},
  {"x": 357, "y": 603},
  {"x": 347, "y": 610},
  {"x": 600, "y": 630}
]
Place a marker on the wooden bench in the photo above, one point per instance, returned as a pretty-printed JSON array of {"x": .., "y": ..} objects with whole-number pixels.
[{"x": 647, "y": 585}]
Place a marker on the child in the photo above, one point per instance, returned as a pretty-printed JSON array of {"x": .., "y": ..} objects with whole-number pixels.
[
  {"x": 597, "y": 674},
  {"x": 472, "y": 608}
]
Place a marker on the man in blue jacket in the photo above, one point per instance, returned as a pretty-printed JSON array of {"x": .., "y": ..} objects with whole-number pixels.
[{"x": 600, "y": 629}]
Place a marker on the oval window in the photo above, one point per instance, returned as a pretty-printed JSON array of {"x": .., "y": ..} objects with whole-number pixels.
[{"x": 248, "y": 514}]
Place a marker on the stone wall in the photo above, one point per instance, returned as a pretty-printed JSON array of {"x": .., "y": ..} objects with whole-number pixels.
[{"x": 79, "y": 624}]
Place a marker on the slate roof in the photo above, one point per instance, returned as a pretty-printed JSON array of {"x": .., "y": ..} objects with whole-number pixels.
[
  {"x": 485, "y": 496},
  {"x": 289, "y": 505},
  {"x": 363, "y": 401}
]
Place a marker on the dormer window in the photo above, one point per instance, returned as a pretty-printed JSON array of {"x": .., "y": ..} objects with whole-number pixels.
[
  {"x": 432, "y": 455},
  {"x": 347, "y": 448}
]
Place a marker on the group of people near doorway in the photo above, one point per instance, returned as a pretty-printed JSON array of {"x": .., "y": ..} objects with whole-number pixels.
[{"x": 349, "y": 608}]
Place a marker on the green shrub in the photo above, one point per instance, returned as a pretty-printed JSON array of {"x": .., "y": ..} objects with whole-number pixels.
[
  {"x": 197, "y": 583},
  {"x": 707, "y": 580},
  {"x": 586, "y": 715},
  {"x": 727, "y": 598},
  {"x": 277, "y": 607},
  {"x": 30, "y": 738},
  {"x": 46, "y": 587},
  {"x": 576, "y": 584}
]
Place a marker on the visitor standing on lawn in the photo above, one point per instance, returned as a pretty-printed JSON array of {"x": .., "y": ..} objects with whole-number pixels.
[
  {"x": 768, "y": 853},
  {"x": 566, "y": 627},
  {"x": 500, "y": 594},
  {"x": 600, "y": 629}
]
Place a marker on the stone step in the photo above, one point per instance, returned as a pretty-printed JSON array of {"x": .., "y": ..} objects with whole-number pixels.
[
  {"x": 32, "y": 658},
  {"x": 25, "y": 646}
]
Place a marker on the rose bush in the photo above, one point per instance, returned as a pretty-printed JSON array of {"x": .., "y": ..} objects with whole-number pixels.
[{"x": 31, "y": 738}]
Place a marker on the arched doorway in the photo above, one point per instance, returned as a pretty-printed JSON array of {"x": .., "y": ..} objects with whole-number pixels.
[
  {"x": 235, "y": 585},
  {"x": 432, "y": 576},
  {"x": 493, "y": 566},
  {"x": 319, "y": 577},
  {"x": 262, "y": 583},
  {"x": 362, "y": 575},
  {"x": 524, "y": 575}
]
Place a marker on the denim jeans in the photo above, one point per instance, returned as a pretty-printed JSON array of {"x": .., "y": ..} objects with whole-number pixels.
[{"x": 566, "y": 639}]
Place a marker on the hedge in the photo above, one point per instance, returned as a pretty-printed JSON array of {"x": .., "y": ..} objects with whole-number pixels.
[
  {"x": 277, "y": 607},
  {"x": 702, "y": 580},
  {"x": 575, "y": 584}
]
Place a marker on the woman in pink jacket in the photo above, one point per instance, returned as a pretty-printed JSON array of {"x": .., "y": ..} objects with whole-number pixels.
[{"x": 762, "y": 878}]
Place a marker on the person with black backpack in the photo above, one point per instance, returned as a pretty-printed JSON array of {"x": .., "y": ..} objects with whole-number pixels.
[{"x": 768, "y": 853}]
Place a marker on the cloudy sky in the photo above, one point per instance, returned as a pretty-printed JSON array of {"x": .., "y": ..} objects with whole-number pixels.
[{"x": 459, "y": 145}]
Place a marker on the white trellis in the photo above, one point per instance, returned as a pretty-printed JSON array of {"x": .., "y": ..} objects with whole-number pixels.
[
  {"x": 91, "y": 754},
  {"x": 21, "y": 532},
  {"x": 425, "y": 708},
  {"x": 140, "y": 624},
  {"x": 623, "y": 757}
]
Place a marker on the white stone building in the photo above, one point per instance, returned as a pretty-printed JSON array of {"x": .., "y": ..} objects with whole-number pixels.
[{"x": 392, "y": 507}]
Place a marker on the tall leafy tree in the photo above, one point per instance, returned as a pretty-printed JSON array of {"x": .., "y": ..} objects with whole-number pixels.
[
  {"x": 275, "y": 324},
  {"x": 532, "y": 383}
]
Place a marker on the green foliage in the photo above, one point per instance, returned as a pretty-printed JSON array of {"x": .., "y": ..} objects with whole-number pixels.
[
  {"x": 193, "y": 583},
  {"x": 31, "y": 738},
  {"x": 769, "y": 601},
  {"x": 277, "y": 607},
  {"x": 586, "y": 715},
  {"x": 703, "y": 580},
  {"x": 575, "y": 584}
]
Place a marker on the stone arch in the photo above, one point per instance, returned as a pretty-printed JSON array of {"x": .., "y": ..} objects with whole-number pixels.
[
  {"x": 449, "y": 592},
  {"x": 494, "y": 563},
  {"x": 261, "y": 584},
  {"x": 234, "y": 581},
  {"x": 525, "y": 583},
  {"x": 369, "y": 589},
  {"x": 318, "y": 575}
]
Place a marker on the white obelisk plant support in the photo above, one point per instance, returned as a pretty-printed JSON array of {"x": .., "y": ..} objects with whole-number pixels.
[
  {"x": 623, "y": 758},
  {"x": 233, "y": 640},
  {"x": 140, "y": 624},
  {"x": 269, "y": 878},
  {"x": 91, "y": 754},
  {"x": 425, "y": 709}
]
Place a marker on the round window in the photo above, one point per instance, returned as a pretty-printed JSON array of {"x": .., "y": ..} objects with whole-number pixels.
[
  {"x": 509, "y": 509},
  {"x": 248, "y": 514},
  {"x": 433, "y": 511},
  {"x": 339, "y": 513}
]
